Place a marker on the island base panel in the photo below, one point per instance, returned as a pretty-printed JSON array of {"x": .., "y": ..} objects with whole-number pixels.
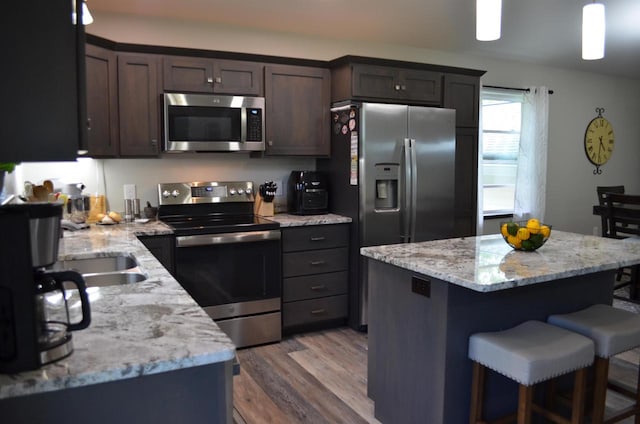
[{"x": 418, "y": 369}]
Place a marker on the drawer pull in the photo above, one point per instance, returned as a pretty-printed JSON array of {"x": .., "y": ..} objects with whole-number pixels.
[
  {"x": 318, "y": 311},
  {"x": 316, "y": 263},
  {"x": 318, "y": 238},
  {"x": 320, "y": 287}
]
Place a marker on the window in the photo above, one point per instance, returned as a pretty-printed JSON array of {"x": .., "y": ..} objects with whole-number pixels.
[{"x": 501, "y": 125}]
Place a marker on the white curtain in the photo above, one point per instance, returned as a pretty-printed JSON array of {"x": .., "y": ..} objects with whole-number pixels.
[{"x": 531, "y": 180}]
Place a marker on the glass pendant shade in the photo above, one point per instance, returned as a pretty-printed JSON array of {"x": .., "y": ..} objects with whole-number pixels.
[
  {"x": 86, "y": 15},
  {"x": 488, "y": 18},
  {"x": 593, "y": 28}
]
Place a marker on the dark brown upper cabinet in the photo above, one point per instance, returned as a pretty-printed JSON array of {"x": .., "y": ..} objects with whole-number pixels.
[
  {"x": 359, "y": 81},
  {"x": 102, "y": 102},
  {"x": 139, "y": 104},
  {"x": 462, "y": 93},
  {"x": 202, "y": 75},
  {"x": 297, "y": 102},
  {"x": 43, "y": 115}
]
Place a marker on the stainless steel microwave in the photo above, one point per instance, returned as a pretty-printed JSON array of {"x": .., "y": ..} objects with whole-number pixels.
[{"x": 212, "y": 123}]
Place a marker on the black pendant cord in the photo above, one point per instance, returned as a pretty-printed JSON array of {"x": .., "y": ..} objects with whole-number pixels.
[{"x": 526, "y": 90}]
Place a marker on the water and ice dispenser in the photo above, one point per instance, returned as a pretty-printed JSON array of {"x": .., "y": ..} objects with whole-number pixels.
[{"x": 387, "y": 176}]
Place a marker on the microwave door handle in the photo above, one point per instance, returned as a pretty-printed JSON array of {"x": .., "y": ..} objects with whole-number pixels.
[{"x": 243, "y": 124}]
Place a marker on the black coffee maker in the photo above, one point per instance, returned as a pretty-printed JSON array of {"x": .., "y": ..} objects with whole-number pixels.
[{"x": 34, "y": 316}]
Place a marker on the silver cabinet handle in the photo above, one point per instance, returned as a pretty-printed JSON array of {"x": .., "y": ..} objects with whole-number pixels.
[
  {"x": 397, "y": 87},
  {"x": 315, "y": 263},
  {"x": 88, "y": 124},
  {"x": 403, "y": 87},
  {"x": 218, "y": 80},
  {"x": 209, "y": 80},
  {"x": 317, "y": 238},
  {"x": 318, "y": 311},
  {"x": 317, "y": 288}
]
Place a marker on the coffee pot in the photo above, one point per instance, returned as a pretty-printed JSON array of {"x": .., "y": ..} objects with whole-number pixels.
[{"x": 35, "y": 326}]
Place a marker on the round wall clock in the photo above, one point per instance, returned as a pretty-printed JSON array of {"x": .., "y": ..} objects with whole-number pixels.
[{"x": 599, "y": 140}]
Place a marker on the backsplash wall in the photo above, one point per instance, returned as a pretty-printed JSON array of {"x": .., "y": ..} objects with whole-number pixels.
[{"x": 107, "y": 176}]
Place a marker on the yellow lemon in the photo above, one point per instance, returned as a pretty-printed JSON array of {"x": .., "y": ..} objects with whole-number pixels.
[
  {"x": 503, "y": 230},
  {"x": 514, "y": 241},
  {"x": 523, "y": 233},
  {"x": 533, "y": 225},
  {"x": 545, "y": 231}
]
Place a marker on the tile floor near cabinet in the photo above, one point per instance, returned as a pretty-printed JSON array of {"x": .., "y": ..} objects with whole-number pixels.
[{"x": 321, "y": 377}]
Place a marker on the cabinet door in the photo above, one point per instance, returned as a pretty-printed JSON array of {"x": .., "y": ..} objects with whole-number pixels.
[
  {"x": 421, "y": 86},
  {"x": 43, "y": 112},
  {"x": 139, "y": 104},
  {"x": 102, "y": 102},
  {"x": 297, "y": 100},
  {"x": 237, "y": 77},
  {"x": 375, "y": 82},
  {"x": 188, "y": 74},
  {"x": 462, "y": 93},
  {"x": 466, "y": 185}
]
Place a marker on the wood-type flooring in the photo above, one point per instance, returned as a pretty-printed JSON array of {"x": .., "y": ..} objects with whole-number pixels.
[{"x": 321, "y": 377}]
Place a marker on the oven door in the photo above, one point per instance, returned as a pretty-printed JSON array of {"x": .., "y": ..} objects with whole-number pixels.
[{"x": 231, "y": 274}]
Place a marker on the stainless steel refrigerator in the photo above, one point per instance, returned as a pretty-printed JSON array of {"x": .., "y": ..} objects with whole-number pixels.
[{"x": 392, "y": 171}]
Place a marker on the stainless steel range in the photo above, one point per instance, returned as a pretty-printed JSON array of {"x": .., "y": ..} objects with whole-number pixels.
[{"x": 227, "y": 258}]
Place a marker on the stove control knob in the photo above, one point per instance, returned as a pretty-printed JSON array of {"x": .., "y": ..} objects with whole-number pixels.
[
  {"x": 240, "y": 191},
  {"x": 175, "y": 193},
  {"x": 232, "y": 191},
  {"x": 166, "y": 194},
  {"x": 248, "y": 190}
]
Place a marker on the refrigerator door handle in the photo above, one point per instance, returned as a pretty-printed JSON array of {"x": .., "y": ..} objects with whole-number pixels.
[
  {"x": 406, "y": 206},
  {"x": 414, "y": 191}
]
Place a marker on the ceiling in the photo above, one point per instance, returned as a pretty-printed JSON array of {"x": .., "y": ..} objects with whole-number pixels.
[{"x": 546, "y": 32}]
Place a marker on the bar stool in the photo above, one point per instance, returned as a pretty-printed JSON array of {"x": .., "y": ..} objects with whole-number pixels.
[
  {"x": 530, "y": 353},
  {"x": 613, "y": 331}
]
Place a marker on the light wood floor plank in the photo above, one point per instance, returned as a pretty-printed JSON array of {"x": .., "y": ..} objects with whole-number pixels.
[
  {"x": 252, "y": 404},
  {"x": 343, "y": 382}
]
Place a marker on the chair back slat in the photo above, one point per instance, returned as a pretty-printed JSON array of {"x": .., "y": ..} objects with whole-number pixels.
[{"x": 623, "y": 215}]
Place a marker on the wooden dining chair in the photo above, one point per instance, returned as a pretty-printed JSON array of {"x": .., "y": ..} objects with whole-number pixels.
[
  {"x": 623, "y": 217},
  {"x": 603, "y": 191}
]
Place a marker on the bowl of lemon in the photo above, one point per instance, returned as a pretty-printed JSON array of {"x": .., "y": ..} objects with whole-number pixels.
[{"x": 525, "y": 235}]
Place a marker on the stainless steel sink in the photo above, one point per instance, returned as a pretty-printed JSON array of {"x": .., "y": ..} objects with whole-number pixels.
[
  {"x": 113, "y": 278},
  {"x": 97, "y": 265},
  {"x": 104, "y": 271}
]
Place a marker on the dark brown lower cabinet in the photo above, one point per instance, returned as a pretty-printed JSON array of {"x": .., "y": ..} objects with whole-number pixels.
[
  {"x": 162, "y": 247},
  {"x": 315, "y": 265}
]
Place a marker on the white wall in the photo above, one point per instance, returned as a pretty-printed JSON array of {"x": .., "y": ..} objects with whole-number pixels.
[{"x": 570, "y": 181}]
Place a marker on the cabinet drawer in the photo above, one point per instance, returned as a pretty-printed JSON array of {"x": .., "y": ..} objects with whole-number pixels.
[
  {"x": 314, "y": 262},
  {"x": 315, "y": 310},
  {"x": 315, "y": 237},
  {"x": 313, "y": 286}
]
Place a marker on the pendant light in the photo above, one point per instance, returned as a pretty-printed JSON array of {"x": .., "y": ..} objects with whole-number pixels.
[
  {"x": 488, "y": 17},
  {"x": 593, "y": 28},
  {"x": 86, "y": 15}
]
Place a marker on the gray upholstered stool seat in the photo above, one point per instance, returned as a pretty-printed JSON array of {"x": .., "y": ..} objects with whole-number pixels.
[
  {"x": 613, "y": 331},
  {"x": 530, "y": 353}
]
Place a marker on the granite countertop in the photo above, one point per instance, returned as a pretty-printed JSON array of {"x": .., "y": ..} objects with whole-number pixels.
[
  {"x": 287, "y": 220},
  {"x": 487, "y": 263},
  {"x": 136, "y": 329}
]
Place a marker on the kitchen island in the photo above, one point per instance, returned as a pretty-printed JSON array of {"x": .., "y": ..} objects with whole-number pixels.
[
  {"x": 426, "y": 299},
  {"x": 151, "y": 354}
]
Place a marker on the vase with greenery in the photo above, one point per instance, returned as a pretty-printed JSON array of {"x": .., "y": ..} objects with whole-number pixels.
[{"x": 5, "y": 168}]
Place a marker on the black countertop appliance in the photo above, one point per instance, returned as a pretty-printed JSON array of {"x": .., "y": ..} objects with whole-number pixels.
[{"x": 308, "y": 193}]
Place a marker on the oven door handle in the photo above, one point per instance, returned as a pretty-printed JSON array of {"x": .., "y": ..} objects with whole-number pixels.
[{"x": 227, "y": 238}]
